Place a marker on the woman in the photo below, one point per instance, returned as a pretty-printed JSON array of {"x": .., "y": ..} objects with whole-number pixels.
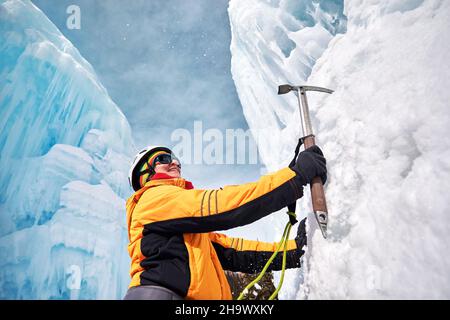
[{"x": 174, "y": 250}]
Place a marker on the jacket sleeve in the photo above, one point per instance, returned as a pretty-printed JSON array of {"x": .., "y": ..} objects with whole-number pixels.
[
  {"x": 237, "y": 254},
  {"x": 167, "y": 209}
]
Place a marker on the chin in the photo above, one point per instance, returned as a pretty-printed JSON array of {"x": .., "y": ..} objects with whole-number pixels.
[{"x": 174, "y": 174}]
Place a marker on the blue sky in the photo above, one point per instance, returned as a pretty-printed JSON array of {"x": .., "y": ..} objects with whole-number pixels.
[{"x": 166, "y": 64}]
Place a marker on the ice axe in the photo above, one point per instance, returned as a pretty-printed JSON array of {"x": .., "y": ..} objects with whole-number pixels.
[{"x": 317, "y": 193}]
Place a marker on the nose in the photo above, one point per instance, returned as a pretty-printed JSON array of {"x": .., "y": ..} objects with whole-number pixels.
[{"x": 176, "y": 162}]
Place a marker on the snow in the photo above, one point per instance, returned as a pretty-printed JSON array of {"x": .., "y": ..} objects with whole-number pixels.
[
  {"x": 65, "y": 150},
  {"x": 385, "y": 133}
]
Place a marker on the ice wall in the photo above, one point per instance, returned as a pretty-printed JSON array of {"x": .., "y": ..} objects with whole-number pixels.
[
  {"x": 65, "y": 149},
  {"x": 385, "y": 133},
  {"x": 275, "y": 42}
]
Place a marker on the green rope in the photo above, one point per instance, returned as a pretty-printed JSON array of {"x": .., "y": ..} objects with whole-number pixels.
[
  {"x": 283, "y": 242},
  {"x": 284, "y": 264}
]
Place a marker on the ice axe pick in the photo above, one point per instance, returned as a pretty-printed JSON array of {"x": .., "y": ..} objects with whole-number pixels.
[{"x": 317, "y": 193}]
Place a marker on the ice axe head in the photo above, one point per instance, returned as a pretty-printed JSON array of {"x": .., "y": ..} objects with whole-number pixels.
[
  {"x": 285, "y": 88},
  {"x": 300, "y": 92}
]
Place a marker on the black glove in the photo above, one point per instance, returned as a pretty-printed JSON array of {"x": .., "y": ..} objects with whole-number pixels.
[
  {"x": 310, "y": 164},
  {"x": 300, "y": 239}
]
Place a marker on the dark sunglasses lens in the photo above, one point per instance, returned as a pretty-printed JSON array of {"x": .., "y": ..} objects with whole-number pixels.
[{"x": 164, "y": 159}]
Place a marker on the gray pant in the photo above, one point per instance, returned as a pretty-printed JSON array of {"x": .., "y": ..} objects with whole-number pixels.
[{"x": 151, "y": 293}]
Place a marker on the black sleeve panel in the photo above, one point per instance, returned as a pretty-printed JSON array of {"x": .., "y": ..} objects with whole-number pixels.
[
  {"x": 254, "y": 210},
  {"x": 254, "y": 261}
]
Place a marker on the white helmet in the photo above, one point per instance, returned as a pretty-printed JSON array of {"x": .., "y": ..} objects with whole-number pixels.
[{"x": 139, "y": 160}]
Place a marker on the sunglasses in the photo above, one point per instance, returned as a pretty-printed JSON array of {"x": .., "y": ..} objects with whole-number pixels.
[{"x": 166, "y": 158}]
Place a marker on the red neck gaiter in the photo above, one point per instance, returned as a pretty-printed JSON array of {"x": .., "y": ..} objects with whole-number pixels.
[{"x": 159, "y": 176}]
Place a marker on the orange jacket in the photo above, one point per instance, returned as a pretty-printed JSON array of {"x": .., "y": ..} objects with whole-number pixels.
[{"x": 171, "y": 239}]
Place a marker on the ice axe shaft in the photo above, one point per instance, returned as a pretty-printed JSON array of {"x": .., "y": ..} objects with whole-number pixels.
[{"x": 319, "y": 203}]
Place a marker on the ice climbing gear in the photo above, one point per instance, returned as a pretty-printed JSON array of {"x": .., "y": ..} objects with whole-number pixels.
[
  {"x": 284, "y": 238},
  {"x": 317, "y": 193},
  {"x": 282, "y": 243},
  {"x": 137, "y": 171}
]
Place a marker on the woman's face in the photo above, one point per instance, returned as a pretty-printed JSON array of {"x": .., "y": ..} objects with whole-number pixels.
[{"x": 172, "y": 169}]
